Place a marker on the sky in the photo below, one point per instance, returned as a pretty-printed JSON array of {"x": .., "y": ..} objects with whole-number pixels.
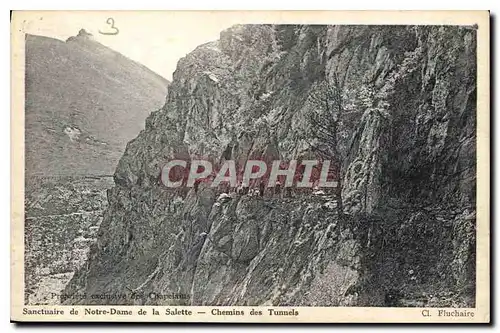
[
  {"x": 158, "y": 39},
  {"x": 155, "y": 39}
]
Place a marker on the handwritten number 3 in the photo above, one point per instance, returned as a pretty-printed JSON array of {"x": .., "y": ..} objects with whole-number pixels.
[{"x": 111, "y": 22}]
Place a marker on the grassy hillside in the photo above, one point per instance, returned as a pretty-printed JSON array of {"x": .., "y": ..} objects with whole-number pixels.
[{"x": 84, "y": 102}]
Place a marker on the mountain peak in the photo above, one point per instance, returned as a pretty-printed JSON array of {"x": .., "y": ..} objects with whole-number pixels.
[
  {"x": 90, "y": 68},
  {"x": 84, "y": 34}
]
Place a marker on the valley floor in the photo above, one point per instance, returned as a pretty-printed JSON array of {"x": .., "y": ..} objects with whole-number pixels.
[{"x": 62, "y": 218}]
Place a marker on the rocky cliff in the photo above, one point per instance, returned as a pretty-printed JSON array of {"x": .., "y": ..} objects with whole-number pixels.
[{"x": 407, "y": 142}]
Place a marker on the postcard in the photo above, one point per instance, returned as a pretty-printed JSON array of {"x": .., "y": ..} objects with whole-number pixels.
[{"x": 250, "y": 166}]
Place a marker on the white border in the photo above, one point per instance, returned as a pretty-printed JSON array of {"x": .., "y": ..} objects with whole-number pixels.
[{"x": 187, "y": 4}]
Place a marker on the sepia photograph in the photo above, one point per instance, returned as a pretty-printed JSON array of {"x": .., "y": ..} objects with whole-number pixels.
[{"x": 250, "y": 166}]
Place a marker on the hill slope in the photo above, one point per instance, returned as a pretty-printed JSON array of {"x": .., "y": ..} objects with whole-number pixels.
[{"x": 84, "y": 102}]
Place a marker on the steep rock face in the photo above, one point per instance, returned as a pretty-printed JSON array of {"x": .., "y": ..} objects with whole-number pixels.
[{"x": 408, "y": 125}]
